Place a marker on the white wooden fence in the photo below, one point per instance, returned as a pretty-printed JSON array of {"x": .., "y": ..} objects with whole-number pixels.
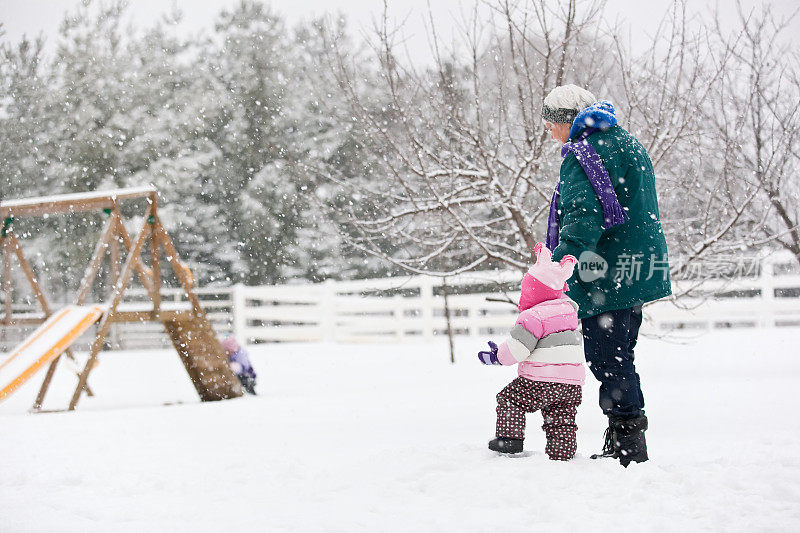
[{"x": 412, "y": 308}]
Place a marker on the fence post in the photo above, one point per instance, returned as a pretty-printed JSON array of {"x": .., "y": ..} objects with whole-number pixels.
[
  {"x": 327, "y": 311},
  {"x": 238, "y": 320},
  {"x": 767, "y": 283},
  {"x": 447, "y": 321},
  {"x": 397, "y": 314},
  {"x": 426, "y": 305},
  {"x": 474, "y": 319}
]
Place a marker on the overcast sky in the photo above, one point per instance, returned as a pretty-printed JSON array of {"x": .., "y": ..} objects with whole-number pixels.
[{"x": 31, "y": 17}]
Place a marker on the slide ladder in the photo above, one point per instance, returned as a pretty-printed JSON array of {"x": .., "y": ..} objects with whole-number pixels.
[
  {"x": 203, "y": 357},
  {"x": 42, "y": 346}
]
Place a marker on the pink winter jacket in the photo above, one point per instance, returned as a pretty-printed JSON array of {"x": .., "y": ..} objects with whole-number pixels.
[{"x": 546, "y": 341}]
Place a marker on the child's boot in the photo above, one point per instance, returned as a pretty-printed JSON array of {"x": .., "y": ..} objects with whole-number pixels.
[{"x": 506, "y": 445}]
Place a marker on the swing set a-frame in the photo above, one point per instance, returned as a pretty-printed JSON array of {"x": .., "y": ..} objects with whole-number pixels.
[{"x": 188, "y": 326}]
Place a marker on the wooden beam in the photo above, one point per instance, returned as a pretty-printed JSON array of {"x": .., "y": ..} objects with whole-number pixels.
[
  {"x": 31, "y": 320},
  {"x": 155, "y": 262},
  {"x": 115, "y": 265},
  {"x": 8, "y": 289},
  {"x": 105, "y": 322},
  {"x": 48, "y": 377},
  {"x": 172, "y": 256},
  {"x": 145, "y": 315},
  {"x": 29, "y": 273},
  {"x": 144, "y": 276},
  {"x": 97, "y": 258},
  {"x": 71, "y": 203},
  {"x": 138, "y": 317}
]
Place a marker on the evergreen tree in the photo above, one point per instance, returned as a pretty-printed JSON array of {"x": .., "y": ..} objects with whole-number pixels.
[{"x": 25, "y": 120}]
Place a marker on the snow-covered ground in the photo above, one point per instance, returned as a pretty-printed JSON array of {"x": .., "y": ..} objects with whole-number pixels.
[{"x": 393, "y": 438}]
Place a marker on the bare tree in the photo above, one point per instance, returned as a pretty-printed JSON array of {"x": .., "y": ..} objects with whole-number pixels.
[
  {"x": 666, "y": 92},
  {"x": 755, "y": 120},
  {"x": 467, "y": 173},
  {"x": 462, "y": 169}
]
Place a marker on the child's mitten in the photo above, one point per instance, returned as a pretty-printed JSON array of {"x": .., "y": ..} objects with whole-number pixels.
[{"x": 489, "y": 357}]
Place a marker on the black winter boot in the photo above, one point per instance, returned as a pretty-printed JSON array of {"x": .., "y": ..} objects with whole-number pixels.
[
  {"x": 248, "y": 384},
  {"x": 506, "y": 445},
  {"x": 609, "y": 450},
  {"x": 629, "y": 441}
]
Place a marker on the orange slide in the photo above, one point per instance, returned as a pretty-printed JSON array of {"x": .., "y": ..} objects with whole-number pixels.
[{"x": 49, "y": 341}]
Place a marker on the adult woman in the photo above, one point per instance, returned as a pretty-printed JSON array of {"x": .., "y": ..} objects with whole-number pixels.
[{"x": 604, "y": 211}]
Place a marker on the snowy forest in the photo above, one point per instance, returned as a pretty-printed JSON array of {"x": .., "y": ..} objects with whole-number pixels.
[{"x": 313, "y": 152}]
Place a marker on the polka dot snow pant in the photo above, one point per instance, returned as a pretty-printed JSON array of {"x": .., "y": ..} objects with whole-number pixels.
[{"x": 558, "y": 403}]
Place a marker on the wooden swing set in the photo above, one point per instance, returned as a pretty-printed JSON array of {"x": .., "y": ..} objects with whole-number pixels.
[{"x": 187, "y": 325}]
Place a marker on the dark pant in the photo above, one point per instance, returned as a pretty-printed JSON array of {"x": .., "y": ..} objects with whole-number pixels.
[
  {"x": 558, "y": 403},
  {"x": 608, "y": 342}
]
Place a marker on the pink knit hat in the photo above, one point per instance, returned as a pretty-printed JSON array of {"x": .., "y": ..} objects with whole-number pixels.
[
  {"x": 545, "y": 280},
  {"x": 229, "y": 344},
  {"x": 554, "y": 275}
]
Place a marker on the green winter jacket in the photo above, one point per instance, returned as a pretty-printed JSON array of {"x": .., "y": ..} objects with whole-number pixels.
[{"x": 634, "y": 253}]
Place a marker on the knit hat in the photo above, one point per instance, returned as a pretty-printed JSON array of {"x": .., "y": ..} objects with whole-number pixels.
[
  {"x": 229, "y": 344},
  {"x": 545, "y": 280},
  {"x": 559, "y": 115},
  {"x": 554, "y": 275},
  {"x": 563, "y": 103}
]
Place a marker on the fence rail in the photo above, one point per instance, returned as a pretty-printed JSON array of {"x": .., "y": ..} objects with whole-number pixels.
[{"x": 412, "y": 308}]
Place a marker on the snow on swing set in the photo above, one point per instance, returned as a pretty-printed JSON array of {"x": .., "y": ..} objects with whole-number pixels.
[{"x": 187, "y": 326}]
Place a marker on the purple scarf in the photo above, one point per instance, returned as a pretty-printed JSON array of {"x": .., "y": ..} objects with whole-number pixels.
[{"x": 613, "y": 213}]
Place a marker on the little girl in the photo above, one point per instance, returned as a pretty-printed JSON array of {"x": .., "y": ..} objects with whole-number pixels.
[
  {"x": 546, "y": 345},
  {"x": 240, "y": 363}
]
